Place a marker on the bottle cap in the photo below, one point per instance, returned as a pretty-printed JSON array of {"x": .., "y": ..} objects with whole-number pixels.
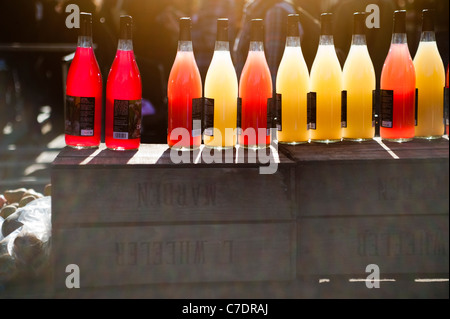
[
  {"x": 257, "y": 30},
  {"x": 326, "y": 20},
  {"x": 85, "y": 24},
  {"x": 400, "y": 21},
  {"x": 222, "y": 29},
  {"x": 359, "y": 23},
  {"x": 126, "y": 27},
  {"x": 427, "y": 20},
  {"x": 185, "y": 29},
  {"x": 293, "y": 21}
]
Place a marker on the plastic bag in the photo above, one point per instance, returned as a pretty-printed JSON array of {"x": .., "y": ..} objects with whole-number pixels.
[{"x": 26, "y": 250}]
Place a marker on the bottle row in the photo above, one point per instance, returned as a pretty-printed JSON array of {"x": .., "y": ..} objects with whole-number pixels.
[{"x": 326, "y": 104}]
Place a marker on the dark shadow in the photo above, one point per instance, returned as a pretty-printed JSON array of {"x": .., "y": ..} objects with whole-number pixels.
[
  {"x": 178, "y": 157},
  {"x": 111, "y": 157},
  {"x": 73, "y": 156}
]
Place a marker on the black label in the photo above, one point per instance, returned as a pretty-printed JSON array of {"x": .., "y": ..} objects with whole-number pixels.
[
  {"x": 274, "y": 112},
  {"x": 311, "y": 110},
  {"x": 344, "y": 109},
  {"x": 270, "y": 113},
  {"x": 239, "y": 114},
  {"x": 208, "y": 116},
  {"x": 279, "y": 108},
  {"x": 127, "y": 119},
  {"x": 197, "y": 121},
  {"x": 446, "y": 107},
  {"x": 278, "y": 112},
  {"x": 80, "y": 116},
  {"x": 416, "y": 107},
  {"x": 386, "y": 108},
  {"x": 375, "y": 109}
]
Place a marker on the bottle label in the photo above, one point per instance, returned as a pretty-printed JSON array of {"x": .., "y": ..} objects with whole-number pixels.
[
  {"x": 208, "y": 116},
  {"x": 387, "y": 108},
  {"x": 375, "y": 107},
  {"x": 127, "y": 119},
  {"x": 344, "y": 109},
  {"x": 278, "y": 112},
  {"x": 239, "y": 115},
  {"x": 311, "y": 110},
  {"x": 80, "y": 115},
  {"x": 197, "y": 110},
  {"x": 274, "y": 112},
  {"x": 416, "y": 107},
  {"x": 446, "y": 107}
]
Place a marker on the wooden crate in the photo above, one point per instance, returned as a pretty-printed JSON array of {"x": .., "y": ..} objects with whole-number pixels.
[
  {"x": 138, "y": 218},
  {"x": 372, "y": 203}
]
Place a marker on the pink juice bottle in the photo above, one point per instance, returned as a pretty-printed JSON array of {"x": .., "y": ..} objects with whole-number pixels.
[
  {"x": 185, "y": 85},
  {"x": 123, "y": 95},
  {"x": 398, "y": 79},
  {"x": 83, "y": 109},
  {"x": 255, "y": 88}
]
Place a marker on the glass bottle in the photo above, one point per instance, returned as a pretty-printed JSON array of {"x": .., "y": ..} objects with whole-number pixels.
[
  {"x": 326, "y": 82},
  {"x": 83, "y": 105},
  {"x": 398, "y": 86},
  {"x": 430, "y": 80},
  {"x": 123, "y": 94},
  {"x": 255, "y": 88},
  {"x": 185, "y": 85},
  {"x": 221, "y": 85},
  {"x": 359, "y": 82},
  {"x": 293, "y": 85}
]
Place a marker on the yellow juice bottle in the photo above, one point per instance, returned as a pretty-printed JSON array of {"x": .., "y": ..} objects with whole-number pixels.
[
  {"x": 326, "y": 82},
  {"x": 293, "y": 85},
  {"x": 358, "y": 79},
  {"x": 430, "y": 82},
  {"x": 221, "y": 85}
]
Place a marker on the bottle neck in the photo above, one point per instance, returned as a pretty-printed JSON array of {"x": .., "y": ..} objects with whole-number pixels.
[
  {"x": 84, "y": 41},
  {"x": 399, "y": 38},
  {"x": 185, "y": 46},
  {"x": 292, "y": 41},
  {"x": 256, "y": 46},
  {"x": 428, "y": 36},
  {"x": 326, "y": 40},
  {"x": 359, "y": 39},
  {"x": 222, "y": 46},
  {"x": 125, "y": 45}
]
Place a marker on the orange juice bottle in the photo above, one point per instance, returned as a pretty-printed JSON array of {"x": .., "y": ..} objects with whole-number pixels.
[
  {"x": 359, "y": 81},
  {"x": 293, "y": 85},
  {"x": 221, "y": 85},
  {"x": 326, "y": 82},
  {"x": 430, "y": 81}
]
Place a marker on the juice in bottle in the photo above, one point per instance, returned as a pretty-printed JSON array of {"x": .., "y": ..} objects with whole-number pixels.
[
  {"x": 359, "y": 81},
  {"x": 255, "y": 88},
  {"x": 326, "y": 82},
  {"x": 399, "y": 79},
  {"x": 221, "y": 85},
  {"x": 123, "y": 95},
  {"x": 293, "y": 85},
  {"x": 83, "y": 109},
  {"x": 430, "y": 80},
  {"x": 184, "y": 86}
]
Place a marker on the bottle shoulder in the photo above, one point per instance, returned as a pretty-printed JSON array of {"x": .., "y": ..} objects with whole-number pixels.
[
  {"x": 184, "y": 69},
  {"x": 358, "y": 60},
  {"x": 326, "y": 60},
  {"x": 292, "y": 64}
]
